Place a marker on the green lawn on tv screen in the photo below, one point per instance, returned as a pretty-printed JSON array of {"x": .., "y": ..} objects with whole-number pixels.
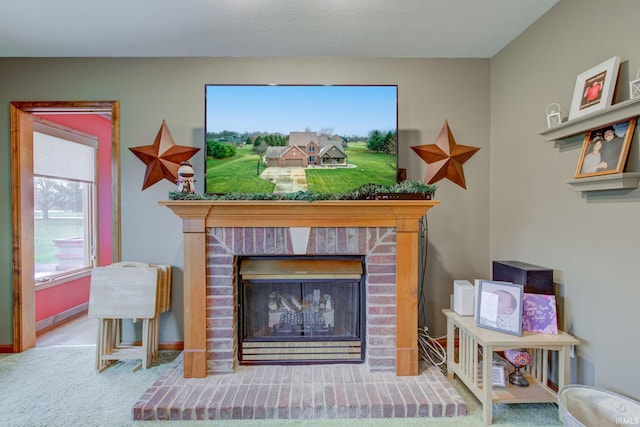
[{"x": 239, "y": 173}]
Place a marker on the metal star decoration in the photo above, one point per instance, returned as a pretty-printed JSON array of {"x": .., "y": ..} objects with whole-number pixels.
[
  {"x": 163, "y": 157},
  {"x": 445, "y": 158}
]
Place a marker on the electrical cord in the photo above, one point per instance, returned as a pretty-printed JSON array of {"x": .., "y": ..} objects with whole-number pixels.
[
  {"x": 423, "y": 239},
  {"x": 431, "y": 350}
]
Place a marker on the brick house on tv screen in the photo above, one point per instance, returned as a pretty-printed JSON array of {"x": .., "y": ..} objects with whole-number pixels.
[{"x": 307, "y": 149}]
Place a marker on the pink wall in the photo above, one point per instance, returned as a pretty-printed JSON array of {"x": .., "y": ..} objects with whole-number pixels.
[
  {"x": 52, "y": 301},
  {"x": 57, "y": 299}
]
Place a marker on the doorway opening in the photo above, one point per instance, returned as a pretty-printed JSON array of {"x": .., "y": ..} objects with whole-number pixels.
[{"x": 30, "y": 314}]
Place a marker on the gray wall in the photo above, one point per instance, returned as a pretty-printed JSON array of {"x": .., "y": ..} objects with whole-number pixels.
[
  {"x": 591, "y": 241},
  {"x": 517, "y": 205},
  {"x": 152, "y": 90}
]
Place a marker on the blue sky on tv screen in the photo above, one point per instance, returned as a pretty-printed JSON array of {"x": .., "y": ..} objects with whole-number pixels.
[{"x": 346, "y": 110}]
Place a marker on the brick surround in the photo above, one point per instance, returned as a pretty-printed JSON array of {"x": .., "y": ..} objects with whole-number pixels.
[
  {"x": 334, "y": 222},
  {"x": 224, "y": 244}
]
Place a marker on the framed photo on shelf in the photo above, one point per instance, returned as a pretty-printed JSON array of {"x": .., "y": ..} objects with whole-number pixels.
[
  {"x": 539, "y": 313},
  {"x": 498, "y": 374},
  {"x": 605, "y": 150},
  {"x": 500, "y": 306},
  {"x": 594, "y": 88}
]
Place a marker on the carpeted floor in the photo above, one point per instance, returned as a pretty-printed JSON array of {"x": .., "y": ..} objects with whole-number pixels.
[{"x": 59, "y": 386}]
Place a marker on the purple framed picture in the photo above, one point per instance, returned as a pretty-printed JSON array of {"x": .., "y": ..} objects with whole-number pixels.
[{"x": 539, "y": 313}]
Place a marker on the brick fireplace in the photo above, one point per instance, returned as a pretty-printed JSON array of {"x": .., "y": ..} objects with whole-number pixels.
[
  {"x": 216, "y": 233},
  {"x": 224, "y": 245}
]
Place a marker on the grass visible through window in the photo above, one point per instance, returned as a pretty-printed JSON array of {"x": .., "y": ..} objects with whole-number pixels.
[{"x": 60, "y": 225}]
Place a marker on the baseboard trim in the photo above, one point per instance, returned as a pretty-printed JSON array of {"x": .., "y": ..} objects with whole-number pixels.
[
  {"x": 177, "y": 345},
  {"x": 54, "y": 321}
]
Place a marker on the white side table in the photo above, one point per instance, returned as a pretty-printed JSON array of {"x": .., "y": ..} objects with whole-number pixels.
[{"x": 475, "y": 371}]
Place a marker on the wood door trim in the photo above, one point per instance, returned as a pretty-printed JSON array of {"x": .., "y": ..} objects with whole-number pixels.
[{"x": 23, "y": 285}]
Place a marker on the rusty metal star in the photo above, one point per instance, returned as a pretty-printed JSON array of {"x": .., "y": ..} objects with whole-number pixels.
[
  {"x": 445, "y": 158},
  {"x": 163, "y": 157}
]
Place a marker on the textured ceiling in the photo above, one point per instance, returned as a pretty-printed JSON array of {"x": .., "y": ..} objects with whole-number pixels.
[{"x": 258, "y": 28}]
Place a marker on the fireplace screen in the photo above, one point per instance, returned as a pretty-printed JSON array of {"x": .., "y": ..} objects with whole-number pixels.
[{"x": 296, "y": 310}]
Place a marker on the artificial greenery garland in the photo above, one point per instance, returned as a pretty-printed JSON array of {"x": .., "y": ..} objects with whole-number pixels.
[{"x": 364, "y": 192}]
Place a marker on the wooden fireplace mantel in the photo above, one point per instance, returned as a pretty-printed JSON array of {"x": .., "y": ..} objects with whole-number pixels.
[{"x": 198, "y": 215}]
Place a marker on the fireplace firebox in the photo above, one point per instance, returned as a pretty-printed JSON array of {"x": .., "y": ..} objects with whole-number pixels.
[{"x": 307, "y": 309}]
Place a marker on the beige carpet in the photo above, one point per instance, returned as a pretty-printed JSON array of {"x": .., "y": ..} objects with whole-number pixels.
[{"x": 59, "y": 386}]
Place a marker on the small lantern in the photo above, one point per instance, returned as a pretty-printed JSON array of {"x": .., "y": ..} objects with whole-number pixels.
[
  {"x": 186, "y": 182},
  {"x": 553, "y": 115},
  {"x": 634, "y": 86}
]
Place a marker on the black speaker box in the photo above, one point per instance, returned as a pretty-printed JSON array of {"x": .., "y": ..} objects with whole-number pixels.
[{"x": 536, "y": 280}]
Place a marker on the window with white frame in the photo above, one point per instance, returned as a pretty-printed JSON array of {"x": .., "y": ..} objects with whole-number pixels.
[{"x": 64, "y": 181}]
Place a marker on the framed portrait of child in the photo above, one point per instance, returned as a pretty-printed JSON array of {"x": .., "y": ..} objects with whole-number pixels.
[
  {"x": 594, "y": 88},
  {"x": 499, "y": 306}
]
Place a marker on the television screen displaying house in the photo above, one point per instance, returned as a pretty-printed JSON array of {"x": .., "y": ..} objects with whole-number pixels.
[{"x": 290, "y": 138}]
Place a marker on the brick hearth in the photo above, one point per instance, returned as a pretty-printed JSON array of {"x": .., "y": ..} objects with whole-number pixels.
[{"x": 298, "y": 392}]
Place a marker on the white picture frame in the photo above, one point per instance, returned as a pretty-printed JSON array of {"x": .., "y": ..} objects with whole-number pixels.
[
  {"x": 594, "y": 88},
  {"x": 498, "y": 374},
  {"x": 499, "y": 306}
]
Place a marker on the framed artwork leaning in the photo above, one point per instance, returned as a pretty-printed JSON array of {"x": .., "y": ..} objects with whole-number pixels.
[
  {"x": 594, "y": 88},
  {"x": 539, "y": 313},
  {"x": 605, "y": 150},
  {"x": 500, "y": 306}
]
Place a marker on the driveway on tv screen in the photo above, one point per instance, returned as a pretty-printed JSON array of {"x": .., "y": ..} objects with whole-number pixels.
[{"x": 287, "y": 179}]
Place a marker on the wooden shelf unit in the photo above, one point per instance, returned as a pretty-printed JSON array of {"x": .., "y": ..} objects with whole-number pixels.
[{"x": 474, "y": 369}]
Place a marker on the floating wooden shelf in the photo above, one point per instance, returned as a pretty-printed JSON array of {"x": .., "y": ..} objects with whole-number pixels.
[
  {"x": 619, "y": 181},
  {"x": 614, "y": 114}
]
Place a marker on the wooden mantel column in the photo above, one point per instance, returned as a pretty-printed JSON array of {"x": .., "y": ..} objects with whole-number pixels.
[
  {"x": 195, "y": 288},
  {"x": 407, "y": 296},
  {"x": 198, "y": 215}
]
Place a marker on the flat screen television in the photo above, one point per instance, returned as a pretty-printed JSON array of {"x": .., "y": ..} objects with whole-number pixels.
[{"x": 277, "y": 139}]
